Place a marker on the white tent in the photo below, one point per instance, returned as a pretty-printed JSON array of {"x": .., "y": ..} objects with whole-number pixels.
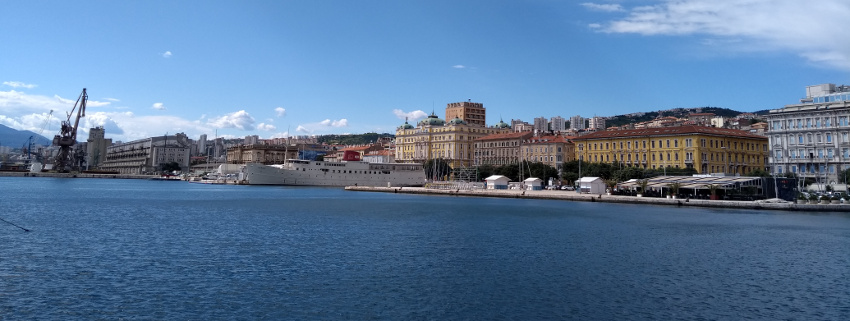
[
  {"x": 591, "y": 185},
  {"x": 533, "y": 183},
  {"x": 497, "y": 182}
]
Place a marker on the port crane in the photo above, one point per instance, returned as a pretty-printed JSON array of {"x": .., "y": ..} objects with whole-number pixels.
[{"x": 67, "y": 138}]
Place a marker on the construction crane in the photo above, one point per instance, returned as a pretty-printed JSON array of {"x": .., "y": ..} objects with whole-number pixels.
[{"x": 67, "y": 138}]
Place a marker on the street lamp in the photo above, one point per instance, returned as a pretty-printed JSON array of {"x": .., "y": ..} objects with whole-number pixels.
[{"x": 726, "y": 156}]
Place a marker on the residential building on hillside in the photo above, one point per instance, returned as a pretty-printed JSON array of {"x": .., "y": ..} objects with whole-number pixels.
[
  {"x": 596, "y": 123},
  {"x": 434, "y": 138},
  {"x": 702, "y": 119},
  {"x": 472, "y": 113},
  {"x": 499, "y": 149},
  {"x": 202, "y": 145},
  {"x": 148, "y": 155},
  {"x": 812, "y": 138},
  {"x": 706, "y": 149},
  {"x": 541, "y": 125},
  {"x": 577, "y": 122},
  {"x": 558, "y": 124},
  {"x": 552, "y": 150}
]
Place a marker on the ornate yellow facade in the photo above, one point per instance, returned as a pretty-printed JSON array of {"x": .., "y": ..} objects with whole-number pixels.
[
  {"x": 435, "y": 138},
  {"x": 706, "y": 149}
]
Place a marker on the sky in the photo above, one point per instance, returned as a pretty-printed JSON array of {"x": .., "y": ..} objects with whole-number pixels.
[{"x": 276, "y": 68}]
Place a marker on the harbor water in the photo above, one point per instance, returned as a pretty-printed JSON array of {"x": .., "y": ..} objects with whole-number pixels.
[{"x": 139, "y": 249}]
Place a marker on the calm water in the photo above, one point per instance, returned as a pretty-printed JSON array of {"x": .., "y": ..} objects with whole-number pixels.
[{"x": 133, "y": 249}]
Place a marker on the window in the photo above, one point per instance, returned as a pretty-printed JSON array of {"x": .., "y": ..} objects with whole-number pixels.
[
  {"x": 675, "y": 143},
  {"x": 668, "y": 143},
  {"x": 828, "y": 138},
  {"x": 799, "y": 139},
  {"x": 689, "y": 142}
]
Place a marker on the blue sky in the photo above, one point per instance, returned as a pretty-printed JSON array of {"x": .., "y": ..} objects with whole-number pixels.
[{"x": 272, "y": 68}]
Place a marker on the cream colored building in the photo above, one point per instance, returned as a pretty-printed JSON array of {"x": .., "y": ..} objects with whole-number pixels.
[
  {"x": 500, "y": 149},
  {"x": 434, "y": 138},
  {"x": 552, "y": 150}
]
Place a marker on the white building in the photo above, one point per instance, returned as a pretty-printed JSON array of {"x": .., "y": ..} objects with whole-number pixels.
[
  {"x": 596, "y": 123},
  {"x": 577, "y": 122},
  {"x": 148, "y": 155},
  {"x": 812, "y": 138},
  {"x": 558, "y": 124},
  {"x": 497, "y": 182},
  {"x": 591, "y": 185},
  {"x": 541, "y": 125}
]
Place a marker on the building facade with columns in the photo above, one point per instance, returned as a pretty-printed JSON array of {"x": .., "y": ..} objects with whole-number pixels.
[{"x": 812, "y": 139}]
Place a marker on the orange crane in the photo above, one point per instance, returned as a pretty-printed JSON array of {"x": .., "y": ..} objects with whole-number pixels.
[{"x": 67, "y": 138}]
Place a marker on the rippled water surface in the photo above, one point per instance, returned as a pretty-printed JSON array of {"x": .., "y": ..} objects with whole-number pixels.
[{"x": 135, "y": 249}]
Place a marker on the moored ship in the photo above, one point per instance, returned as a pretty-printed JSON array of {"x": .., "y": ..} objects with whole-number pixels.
[{"x": 350, "y": 172}]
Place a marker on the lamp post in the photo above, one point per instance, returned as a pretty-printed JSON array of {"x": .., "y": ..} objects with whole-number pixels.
[{"x": 726, "y": 156}]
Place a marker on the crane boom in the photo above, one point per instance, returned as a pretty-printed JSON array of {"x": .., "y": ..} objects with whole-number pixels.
[{"x": 67, "y": 137}]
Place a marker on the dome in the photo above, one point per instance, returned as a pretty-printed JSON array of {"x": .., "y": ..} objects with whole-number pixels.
[
  {"x": 405, "y": 126},
  {"x": 457, "y": 121},
  {"x": 502, "y": 124},
  {"x": 432, "y": 120}
]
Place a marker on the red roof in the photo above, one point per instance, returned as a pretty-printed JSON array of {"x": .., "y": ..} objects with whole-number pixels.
[
  {"x": 680, "y": 130},
  {"x": 548, "y": 139},
  {"x": 514, "y": 135}
]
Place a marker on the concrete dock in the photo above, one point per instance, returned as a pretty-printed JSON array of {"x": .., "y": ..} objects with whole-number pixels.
[{"x": 574, "y": 196}]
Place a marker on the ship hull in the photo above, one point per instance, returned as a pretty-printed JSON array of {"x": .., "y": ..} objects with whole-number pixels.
[{"x": 318, "y": 173}]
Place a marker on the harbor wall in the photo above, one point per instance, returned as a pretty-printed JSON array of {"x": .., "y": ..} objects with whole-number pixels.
[{"x": 574, "y": 196}]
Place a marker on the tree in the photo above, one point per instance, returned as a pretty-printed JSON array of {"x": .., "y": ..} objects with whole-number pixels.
[
  {"x": 758, "y": 172},
  {"x": 509, "y": 171},
  {"x": 437, "y": 169},
  {"x": 485, "y": 171},
  {"x": 628, "y": 173},
  {"x": 540, "y": 170}
]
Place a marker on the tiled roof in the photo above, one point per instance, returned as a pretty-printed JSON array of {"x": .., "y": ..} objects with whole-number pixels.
[
  {"x": 549, "y": 139},
  {"x": 665, "y": 131},
  {"x": 513, "y": 135}
]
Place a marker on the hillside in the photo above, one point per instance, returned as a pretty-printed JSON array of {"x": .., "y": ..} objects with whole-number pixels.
[
  {"x": 620, "y": 120},
  {"x": 17, "y": 138},
  {"x": 357, "y": 139}
]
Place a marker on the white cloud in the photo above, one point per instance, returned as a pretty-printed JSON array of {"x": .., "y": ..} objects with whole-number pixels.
[
  {"x": 240, "y": 119},
  {"x": 266, "y": 127},
  {"x": 458, "y": 66},
  {"x": 811, "y": 30},
  {"x": 280, "y": 135},
  {"x": 603, "y": 7},
  {"x": 334, "y": 123},
  {"x": 16, "y": 84},
  {"x": 280, "y": 111},
  {"x": 112, "y": 99},
  {"x": 302, "y": 129},
  {"x": 166, "y": 54},
  {"x": 412, "y": 116},
  {"x": 158, "y": 106}
]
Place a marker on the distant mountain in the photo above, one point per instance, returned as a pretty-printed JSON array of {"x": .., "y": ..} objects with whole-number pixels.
[{"x": 18, "y": 138}]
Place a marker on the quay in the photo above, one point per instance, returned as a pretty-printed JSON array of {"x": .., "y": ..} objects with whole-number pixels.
[
  {"x": 75, "y": 175},
  {"x": 574, "y": 196}
]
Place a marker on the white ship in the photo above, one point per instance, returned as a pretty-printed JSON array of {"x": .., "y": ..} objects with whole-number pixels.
[{"x": 350, "y": 172}]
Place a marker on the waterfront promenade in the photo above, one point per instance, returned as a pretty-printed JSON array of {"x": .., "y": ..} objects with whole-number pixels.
[
  {"x": 574, "y": 196},
  {"x": 75, "y": 175}
]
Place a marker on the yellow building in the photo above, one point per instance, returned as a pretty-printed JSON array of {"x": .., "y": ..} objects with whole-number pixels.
[
  {"x": 435, "y": 138},
  {"x": 706, "y": 149}
]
